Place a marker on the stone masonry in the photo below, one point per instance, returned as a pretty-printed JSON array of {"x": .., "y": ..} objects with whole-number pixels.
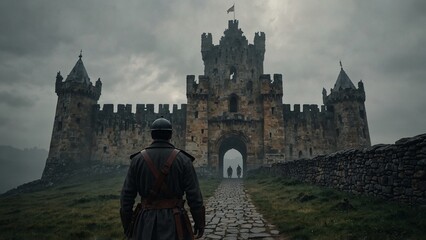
[
  {"x": 231, "y": 215},
  {"x": 233, "y": 105},
  {"x": 390, "y": 171}
]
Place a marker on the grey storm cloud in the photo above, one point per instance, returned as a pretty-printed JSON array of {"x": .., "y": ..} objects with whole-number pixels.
[
  {"x": 143, "y": 50},
  {"x": 14, "y": 100}
]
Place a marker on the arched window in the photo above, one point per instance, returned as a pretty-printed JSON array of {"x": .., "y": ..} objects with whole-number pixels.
[
  {"x": 233, "y": 103},
  {"x": 233, "y": 73},
  {"x": 300, "y": 154}
]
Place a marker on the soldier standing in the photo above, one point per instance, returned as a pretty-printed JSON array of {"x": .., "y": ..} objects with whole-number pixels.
[
  {"x": 161, "y": 175},
  {"x": 239, "y": 171},
  {"x": 229, "y": 172}
]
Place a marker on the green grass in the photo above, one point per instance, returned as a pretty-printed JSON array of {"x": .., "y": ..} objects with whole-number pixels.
[
  {"x": 77, "y": 209},
  {"x": 302, "y": 211}
]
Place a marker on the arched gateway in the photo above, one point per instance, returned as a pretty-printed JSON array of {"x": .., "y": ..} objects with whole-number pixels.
[{"x": 237, "y": 141}]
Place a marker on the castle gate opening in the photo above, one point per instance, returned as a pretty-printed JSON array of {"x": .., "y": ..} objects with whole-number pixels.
[{"x": 228, "y": 143}]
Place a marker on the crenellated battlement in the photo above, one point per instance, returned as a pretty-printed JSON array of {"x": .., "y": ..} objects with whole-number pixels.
[
  {"x": 79, "y": 88},
  {"x": 198, "y": 88},
  {"x": 206, "y": 41},
  {"x": 306, "y": 108},
  {"x": 259, "y": 41},
  {"x": 144, "y": 115},
  {"x": 271, "y": 86},
  {"x": 308, "y": 111},
  {"x": 347, "y": 94}
]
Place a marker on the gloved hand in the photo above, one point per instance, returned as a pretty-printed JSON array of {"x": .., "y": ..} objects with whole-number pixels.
[{"x": 199, "y": 216}]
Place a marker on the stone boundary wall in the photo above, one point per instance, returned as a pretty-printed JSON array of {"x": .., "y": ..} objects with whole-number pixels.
[{"x": 390, "y": 171}]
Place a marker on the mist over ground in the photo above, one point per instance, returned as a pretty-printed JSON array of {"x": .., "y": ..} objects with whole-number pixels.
[{"x": 20, "y": 166}]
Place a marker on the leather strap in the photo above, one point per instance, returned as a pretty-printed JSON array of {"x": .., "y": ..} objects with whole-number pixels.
[
  {"x": 159, "y": 175},
  {"x": 178, "y": 222},
  {"x": 158, "y": 185}
]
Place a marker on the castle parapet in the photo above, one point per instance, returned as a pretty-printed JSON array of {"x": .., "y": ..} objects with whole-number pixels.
[
  {"x": 80, "y": 88},
  {"x": 197, "y": 90},
  {"x": 346, "y": 94},
  {"x": 144, "y": 116},
  {"x": 311, "y": 111},
  {"x": 271, "y": 87},
  {"x": 259, "y": 41}
]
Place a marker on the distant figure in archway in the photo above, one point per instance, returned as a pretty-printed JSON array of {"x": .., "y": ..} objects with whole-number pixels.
[
  {"x": 239, "y": 171},
  {"x": 229, "y": 172}
]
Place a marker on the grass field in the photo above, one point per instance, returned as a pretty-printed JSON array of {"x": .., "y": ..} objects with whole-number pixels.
[
  {"x": 78, "y": 209},
  {"x": 88, "y": 209},
  {"x": 302, "y": 211}
]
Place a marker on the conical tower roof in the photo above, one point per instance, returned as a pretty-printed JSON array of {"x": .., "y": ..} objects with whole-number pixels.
[
  {"x": 79, "y": 73},
  {"x": 343, "y": 81}
]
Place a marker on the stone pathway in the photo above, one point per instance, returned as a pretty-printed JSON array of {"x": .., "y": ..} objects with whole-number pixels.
[{"x": 231, "y": 215}]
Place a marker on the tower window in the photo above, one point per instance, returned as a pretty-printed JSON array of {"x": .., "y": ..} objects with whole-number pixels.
[
  {"x": 272, "y": 110},
  {"x": 105, "y": 149},
  {"x": 300, "y": 154},
  {"x": 233, "y": 103},
  {"x": 233, "y": 73},
  {"x": 202, "y": 131},
  {"x": 270, "y": 135},
  {"x": 291, "y": 150}
]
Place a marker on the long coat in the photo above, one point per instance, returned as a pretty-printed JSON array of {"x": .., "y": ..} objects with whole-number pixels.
[{"x": 182, "y": 179}]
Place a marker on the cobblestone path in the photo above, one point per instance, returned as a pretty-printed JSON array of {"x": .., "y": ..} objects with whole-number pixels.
[{"x": 231, "y": 215}]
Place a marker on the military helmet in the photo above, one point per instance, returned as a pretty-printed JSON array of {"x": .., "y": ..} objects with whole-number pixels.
[{"x": 161, "y": 124}]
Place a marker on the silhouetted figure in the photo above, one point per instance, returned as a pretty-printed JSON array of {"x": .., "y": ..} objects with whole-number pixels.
[
  {"x": 161, "y": 175},
  {"x": 229, "y": 172},
  {"x": 239, "y": 171}
]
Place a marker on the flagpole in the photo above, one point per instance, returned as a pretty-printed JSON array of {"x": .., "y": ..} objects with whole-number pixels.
[{"x": 234, "y": 11}]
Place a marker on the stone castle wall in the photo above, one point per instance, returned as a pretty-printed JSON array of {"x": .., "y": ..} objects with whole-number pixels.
[
  {"x": 309, "y": 131},
  {"x": 119, "y": 134},
  {"x": 395, "y": 171}
]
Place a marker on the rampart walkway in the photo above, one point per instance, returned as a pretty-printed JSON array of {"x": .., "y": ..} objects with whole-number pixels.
[{"x": 231, "y": 215}]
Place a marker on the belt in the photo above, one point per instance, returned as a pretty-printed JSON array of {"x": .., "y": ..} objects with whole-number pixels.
[
  {"x": 163, "y": 204},
  {"x": 177, "y": 206}
]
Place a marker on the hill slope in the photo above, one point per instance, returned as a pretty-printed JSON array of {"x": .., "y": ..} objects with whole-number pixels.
[{"x": 81, "y": 208}]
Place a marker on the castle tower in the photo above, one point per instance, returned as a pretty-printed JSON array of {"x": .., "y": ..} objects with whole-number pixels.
[
  {"x": 347, "y": 103},
  {"x": 71, "y": 140},
  {"x": 234, "y": 105}
]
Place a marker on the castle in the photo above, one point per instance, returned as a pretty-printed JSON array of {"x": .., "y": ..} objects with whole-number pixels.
[{"x": 234, "y": 105}]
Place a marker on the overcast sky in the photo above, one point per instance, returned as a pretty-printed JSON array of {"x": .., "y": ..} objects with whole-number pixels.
[{"x": 143, "y": 49}]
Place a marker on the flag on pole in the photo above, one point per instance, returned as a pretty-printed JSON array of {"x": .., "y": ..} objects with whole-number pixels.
[{"x": 231, "y": 9}]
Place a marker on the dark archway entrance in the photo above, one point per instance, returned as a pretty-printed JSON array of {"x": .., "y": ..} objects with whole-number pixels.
[{"x": 232, "y": 142}]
